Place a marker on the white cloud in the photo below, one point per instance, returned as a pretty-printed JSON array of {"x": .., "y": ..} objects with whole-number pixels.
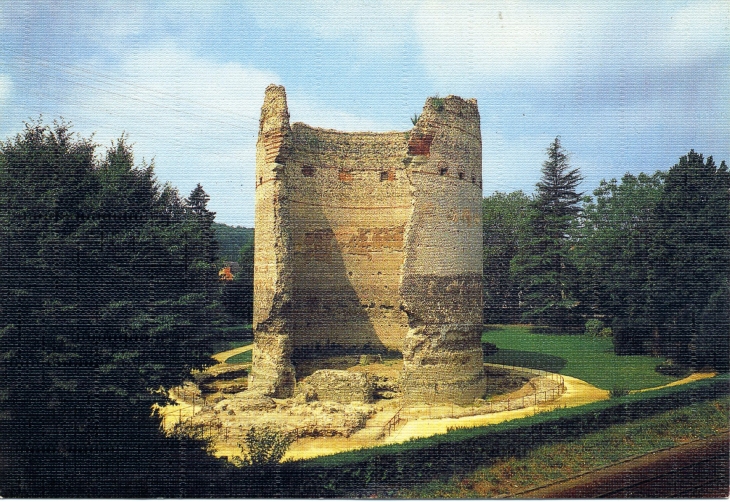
[
  {"x": 700, "y": 28},
  {"x": 512, "y": 42},
  {"x": 514, "y": 39},
  {"x": 372, "y": 24},
  {"x": 197, "y": 118},
  {"x": 317, "y": 113}
]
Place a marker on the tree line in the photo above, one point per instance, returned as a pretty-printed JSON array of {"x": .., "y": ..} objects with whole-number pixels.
[
  {"x": 646, "y": 258},
  {"x": 110, "y": 295}
]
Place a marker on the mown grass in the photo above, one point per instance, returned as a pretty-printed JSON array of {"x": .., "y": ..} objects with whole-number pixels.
[
  {"x": 550, "y": 463},
  {"x": 588, "y": 358},
  {"x": 241, "y": 357},
  {"x": 230, "y": 337}
]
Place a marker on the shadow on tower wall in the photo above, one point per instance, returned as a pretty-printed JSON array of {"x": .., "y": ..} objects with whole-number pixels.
[{"x": 327, "y": 315}]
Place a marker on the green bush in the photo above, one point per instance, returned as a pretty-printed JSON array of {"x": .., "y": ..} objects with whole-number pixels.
[
  {"x": 264, "y": 446},
  {"x": 594, "y": 327},
  {"x": 672, "y": 369},
  {"x": 618, "y": 392},
  {"x": 489, "y": 349}
]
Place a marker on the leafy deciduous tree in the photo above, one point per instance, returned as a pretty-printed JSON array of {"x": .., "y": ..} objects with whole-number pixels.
[
  {"x": 506, "y": 220},
  {"x": 616, "y": 235}
]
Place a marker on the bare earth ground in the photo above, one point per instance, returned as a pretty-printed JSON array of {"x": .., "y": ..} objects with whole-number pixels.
[{"x": 416, "y": 421}]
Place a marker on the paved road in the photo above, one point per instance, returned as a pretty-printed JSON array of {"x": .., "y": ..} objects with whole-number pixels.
[{"x": 694, "y": 470}]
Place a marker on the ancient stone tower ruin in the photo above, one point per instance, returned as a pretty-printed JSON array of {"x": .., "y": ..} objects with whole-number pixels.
[{"x": 371, "y": 242}]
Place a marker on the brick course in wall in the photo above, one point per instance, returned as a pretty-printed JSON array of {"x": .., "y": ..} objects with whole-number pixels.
[{"x": 371, "y": 242}]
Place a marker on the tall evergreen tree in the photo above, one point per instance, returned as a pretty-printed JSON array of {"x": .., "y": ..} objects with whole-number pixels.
[
  {"x": 691, "y": 261},
  {"x": 237, "y": 296},
  {"x": 94, "y": 318},
  {"x": 545, "y": 265}
]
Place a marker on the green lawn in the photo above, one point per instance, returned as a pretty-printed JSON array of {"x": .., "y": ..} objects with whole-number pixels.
[
  {"x": 585, "y": 357},
  {"x": 230, "y": 337},
  {"x": 241, "y": 357}
]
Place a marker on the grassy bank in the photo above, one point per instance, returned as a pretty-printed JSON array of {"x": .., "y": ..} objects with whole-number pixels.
[
  {"x": 550, "y": 463},
  {"x": 418, "y": 461},
  {"x": 588, "y": 358}
]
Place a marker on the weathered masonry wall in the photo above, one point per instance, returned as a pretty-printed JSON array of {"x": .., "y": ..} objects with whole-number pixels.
[
  {"x": 272, "y": 370},
  {"x": 350, "y": 203},
  {"x": 442, "y": 271},
  {"x": 370, "y": 241}
]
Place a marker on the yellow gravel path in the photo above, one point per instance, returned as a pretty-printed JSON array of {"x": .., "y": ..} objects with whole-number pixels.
[
  {"x": 221, "y": 357},
  {"x": 577, "y": 392},
  {"x": 692, "y": 378}
]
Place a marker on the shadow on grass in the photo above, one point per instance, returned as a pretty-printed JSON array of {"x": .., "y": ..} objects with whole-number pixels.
[{"x": 534, "y": 360}]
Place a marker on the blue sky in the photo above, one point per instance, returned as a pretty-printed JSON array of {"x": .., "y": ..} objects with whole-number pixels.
[{"x": 629, "y": 86}]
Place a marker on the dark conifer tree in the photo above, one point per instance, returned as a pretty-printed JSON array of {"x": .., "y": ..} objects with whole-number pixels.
[
  {"x": 691, "y": 262},
  {"x": 545, "y": 266},
  {"x": 94, "y": 318}
]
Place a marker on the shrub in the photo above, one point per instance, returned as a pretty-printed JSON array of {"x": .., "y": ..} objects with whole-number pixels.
[
  {"x": 265, "y": 446},
  {"x": 594, "y": 327},
  {"x": 489, "y": 349},
  {"x": 618, "y": 392},
  {"x": 438, "y": 103},
  {"x": 631, "y": 335},
  {"x": 606, "y": 332},
  {"x": 670, "y": 368}
]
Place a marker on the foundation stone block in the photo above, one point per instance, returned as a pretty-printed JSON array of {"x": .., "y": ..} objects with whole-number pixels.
[{"x": 341, "y": 386}]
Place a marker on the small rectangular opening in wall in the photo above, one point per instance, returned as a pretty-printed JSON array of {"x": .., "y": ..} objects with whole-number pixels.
[
  {"x": 473, "y": 180},
  {"x": 443, "y": 171},
  {"x": 461, "y": 176},
  {"x": 308, "y": 171},
  {"x": 383, "y": 175}
]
